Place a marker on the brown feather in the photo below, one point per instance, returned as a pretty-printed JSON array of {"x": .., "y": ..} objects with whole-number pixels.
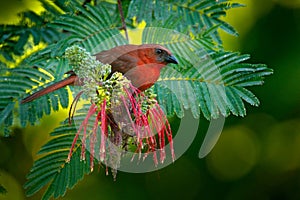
[{"x": 68, "y": 81}]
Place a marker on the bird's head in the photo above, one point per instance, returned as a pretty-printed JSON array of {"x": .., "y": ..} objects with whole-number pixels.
[
  {"x": 164, "y": 55},
  {"x": 153, "y": 53}
]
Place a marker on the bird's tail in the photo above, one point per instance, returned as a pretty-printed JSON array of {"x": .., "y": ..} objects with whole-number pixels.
[{"x": 68, "y": 81}]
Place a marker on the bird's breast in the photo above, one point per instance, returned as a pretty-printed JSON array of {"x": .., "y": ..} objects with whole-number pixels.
[{"x": 143, "y": 76}]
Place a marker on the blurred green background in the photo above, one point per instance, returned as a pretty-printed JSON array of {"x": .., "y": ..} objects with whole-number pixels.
[{"x": 256, "y": 157}]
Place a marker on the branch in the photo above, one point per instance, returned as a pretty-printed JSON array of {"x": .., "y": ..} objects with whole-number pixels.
[{"x": 123, "y": 19}]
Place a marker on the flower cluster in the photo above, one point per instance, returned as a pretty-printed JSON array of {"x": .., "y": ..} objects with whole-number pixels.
[{"x": 122, "y": 116}]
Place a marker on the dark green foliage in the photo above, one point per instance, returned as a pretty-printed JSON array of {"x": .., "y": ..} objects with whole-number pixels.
[
  {"x": 196, "y": 16},
  {"x": 52, "y": 167},
  {"x": 14, "y": 83},
  {"x": 14, "y": 38},
  {"x": 3, "y": 191},
  {"x": 215, "y": 86},
  {"x": 208, "y": 80}
]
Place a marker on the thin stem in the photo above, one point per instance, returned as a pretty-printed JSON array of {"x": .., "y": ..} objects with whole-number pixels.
[{"x": 123, "y": 19}]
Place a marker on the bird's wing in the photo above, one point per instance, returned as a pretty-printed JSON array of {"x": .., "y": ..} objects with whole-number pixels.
[{"x": 121, "y": 58}]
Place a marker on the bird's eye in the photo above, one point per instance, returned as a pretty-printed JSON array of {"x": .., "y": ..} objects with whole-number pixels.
[{"x": 158, "y": 51}]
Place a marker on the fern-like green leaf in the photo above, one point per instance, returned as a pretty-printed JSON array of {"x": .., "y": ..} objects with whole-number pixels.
[
  {"x": 215, "y": 86},
  {"x": 195, "y": 15},
  {"x": 53, "y": 170},
  {"x": 93, "y": 29},
  {"x": 15, "y": 83},
  {"x": 15, "y": 38}
]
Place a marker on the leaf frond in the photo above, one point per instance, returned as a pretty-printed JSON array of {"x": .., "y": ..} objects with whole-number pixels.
[
  {"x": 215, "y": 86},
  {"x": 53, "y": 170}
]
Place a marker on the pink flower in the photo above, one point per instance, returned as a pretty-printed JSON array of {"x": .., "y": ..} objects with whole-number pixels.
[{"x": 130, "y": 115}]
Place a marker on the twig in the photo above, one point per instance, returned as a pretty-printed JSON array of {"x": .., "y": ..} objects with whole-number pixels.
[{"x": 123, "y": 19}]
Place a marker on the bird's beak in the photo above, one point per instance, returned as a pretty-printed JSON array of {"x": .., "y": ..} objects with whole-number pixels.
[{"x": 171, "y": 59}]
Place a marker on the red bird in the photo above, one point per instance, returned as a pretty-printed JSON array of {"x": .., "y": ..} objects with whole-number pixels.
[{"x": 141, "y": 64}]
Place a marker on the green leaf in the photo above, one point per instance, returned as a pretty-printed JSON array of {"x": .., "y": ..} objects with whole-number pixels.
[
  {"x": 195, "y": 15},
  {"x": 53, "y": 170},
  {"x": 62, "y": 142},
  {"x": 7, "y": 111},
  {"x": 93, "y": 29},
  {"x": 16, "y": 38},
  {"x": 215, "y": 86},
  {"x": 3, "y": 191}
]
